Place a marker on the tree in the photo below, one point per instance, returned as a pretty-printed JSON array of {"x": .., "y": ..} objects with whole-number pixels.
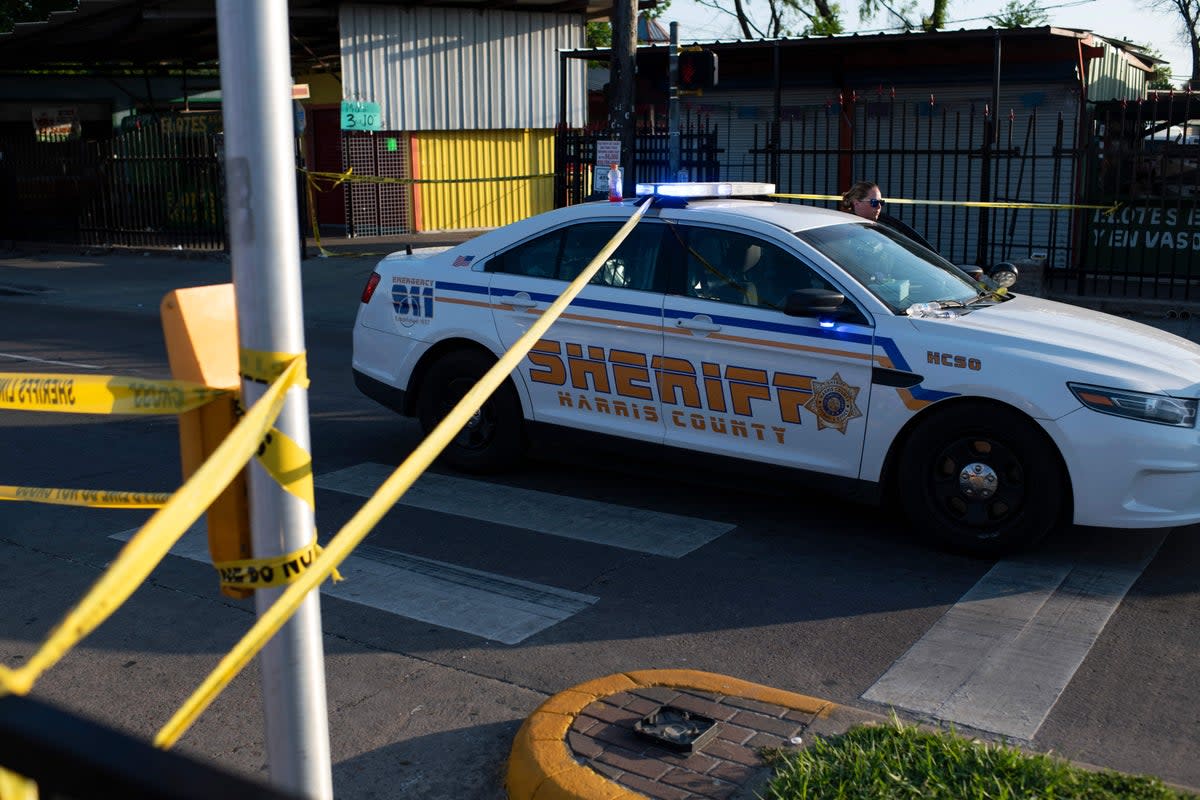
[
  {"x": 902, "y": 14},
  {"x": 1189, "y": 19},
  {"x": 599, "y": 34},
  {"x": 14, "y": 11},
  {"x": 1160, "y": 78},
  {"x": 1020, "y": 15},
  {"x": 820, "y": 17}
]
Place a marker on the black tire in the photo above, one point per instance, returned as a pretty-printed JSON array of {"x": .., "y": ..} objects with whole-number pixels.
[
  {"x": 492, "y": 439},
  {"x": 981, "y": 480}
]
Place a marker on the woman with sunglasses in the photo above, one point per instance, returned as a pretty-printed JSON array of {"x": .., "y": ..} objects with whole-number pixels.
[{"x": 866, "y": 200}]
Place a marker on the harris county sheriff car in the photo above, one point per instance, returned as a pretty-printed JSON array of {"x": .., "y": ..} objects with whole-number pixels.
[{"x": 805, "y": 340}]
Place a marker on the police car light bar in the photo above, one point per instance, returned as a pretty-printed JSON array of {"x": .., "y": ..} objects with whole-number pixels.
[{"x": 704, "y": 189}]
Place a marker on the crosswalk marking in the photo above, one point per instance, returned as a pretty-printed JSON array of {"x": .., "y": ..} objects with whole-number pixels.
[
  {"x": 1002, "y": 656},
  {"x": 654, "y": 532},
  {"x": 492, "y": 606}
]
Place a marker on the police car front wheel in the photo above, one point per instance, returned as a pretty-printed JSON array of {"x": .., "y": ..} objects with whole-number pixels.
[
  {"x": 981, "y": 479},
  {"x": 491, "y": 439}
]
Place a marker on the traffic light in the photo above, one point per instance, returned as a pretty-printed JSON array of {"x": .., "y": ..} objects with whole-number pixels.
[{"x": 697, "y": 69}]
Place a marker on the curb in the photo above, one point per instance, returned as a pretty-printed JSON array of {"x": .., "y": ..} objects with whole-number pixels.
[{"x": 542, "y": 766}]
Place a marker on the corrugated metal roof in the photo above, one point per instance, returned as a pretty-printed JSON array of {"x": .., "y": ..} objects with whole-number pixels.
[{"x": 450, "y": 69}]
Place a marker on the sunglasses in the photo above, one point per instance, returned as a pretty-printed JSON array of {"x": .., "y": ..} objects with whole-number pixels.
[{"x": 875, "y": 202}]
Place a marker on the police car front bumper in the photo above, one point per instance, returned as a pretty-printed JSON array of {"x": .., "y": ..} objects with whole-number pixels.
[{"x": 1128, "y": 473}]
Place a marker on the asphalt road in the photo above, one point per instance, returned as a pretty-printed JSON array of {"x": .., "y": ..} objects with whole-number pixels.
[{"x": 784, "y": 587}]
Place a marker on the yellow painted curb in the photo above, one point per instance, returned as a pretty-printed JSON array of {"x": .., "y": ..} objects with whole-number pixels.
[{"x": 541, "y": 766}]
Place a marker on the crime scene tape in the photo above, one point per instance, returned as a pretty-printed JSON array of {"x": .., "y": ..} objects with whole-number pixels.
[
  {"x": 902, "y": 201},
  {"x": 354, "y": 531},
  {"x": 94, "y": 498},
  {"x": 337, "y": 178},
  {"x": 326, "y": 181},
  {"x": 264, "y": 573},
  {"x": 290, "y": 465},
  {"x": 16, "y": 787},
  {"x": 154, "y": 540},
  {"x": 101, "y": 394}
]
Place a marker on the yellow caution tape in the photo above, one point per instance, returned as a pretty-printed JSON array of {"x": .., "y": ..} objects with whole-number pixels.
[
  {"x": 354, "y": 531},
  {"x": 101, "y": 394},
  {"x": 288, "y": 463},
  {"x": 154, "y": 540},
  {"x": 1108, "y": 209},
  {"x": 263, "y": 573},
  {"x": 16, "y": 787},
  {"x": 335, "y": 179},
  {"x": 261, "y": 366},
  {"x": 95, "y": 498}
]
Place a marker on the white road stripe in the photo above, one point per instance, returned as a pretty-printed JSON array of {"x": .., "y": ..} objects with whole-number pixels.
[
  {"x": 481, "y": 603},
  {"x": 36, "y": 360},
  {"x": 1001, "y": 657},
  {"x": 653, "y": 532}
]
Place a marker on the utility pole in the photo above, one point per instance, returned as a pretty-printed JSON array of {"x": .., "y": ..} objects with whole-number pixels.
[
  {"x": 674, "y": 142},
  {"x": 256, "y": 100},
  {"x": 622, "y": 69}
]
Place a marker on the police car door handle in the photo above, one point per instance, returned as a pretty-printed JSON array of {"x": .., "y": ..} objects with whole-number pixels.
[
  {"x": 698, "y": 324},
  {"x": 521, "y": 300}
]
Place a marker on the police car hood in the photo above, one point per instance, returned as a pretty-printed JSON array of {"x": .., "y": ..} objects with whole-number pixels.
[{"x": 1136, "y": 356}]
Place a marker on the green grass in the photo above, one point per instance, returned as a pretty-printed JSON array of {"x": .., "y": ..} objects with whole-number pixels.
[{"x": 903, "y": 761}]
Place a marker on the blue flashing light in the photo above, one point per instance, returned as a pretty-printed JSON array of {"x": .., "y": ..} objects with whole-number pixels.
[{"x": 699, "y": 189}]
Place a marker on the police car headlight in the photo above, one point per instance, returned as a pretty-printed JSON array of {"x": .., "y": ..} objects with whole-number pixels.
[{"x": 1177, "y": 412}]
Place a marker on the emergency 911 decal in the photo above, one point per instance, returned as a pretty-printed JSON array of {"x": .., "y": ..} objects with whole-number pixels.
[
  {"x": 412, "y": 300},
  {"x": 614, "y": 381}
]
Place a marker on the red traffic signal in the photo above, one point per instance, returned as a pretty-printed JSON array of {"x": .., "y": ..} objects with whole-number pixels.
[{"x": 698, "y": 70}]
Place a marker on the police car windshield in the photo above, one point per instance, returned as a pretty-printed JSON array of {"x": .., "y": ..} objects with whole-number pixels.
[{"x": 893, "y": 268}]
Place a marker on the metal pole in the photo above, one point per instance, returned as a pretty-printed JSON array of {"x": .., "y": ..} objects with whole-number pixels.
[
  {"x": 621, "y": 100},
  {"x": 674, "y": 143},
  {"x": 261, "y": 189}
]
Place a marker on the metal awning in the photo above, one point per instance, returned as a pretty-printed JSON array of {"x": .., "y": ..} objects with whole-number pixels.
[{"x": 106, "y": 35}]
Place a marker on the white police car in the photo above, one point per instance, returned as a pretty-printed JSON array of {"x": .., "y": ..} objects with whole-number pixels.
[{"x": 799, "y": 338}]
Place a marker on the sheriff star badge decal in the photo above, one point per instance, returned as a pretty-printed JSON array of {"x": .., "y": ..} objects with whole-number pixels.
[{"x": 833, "y": 403}]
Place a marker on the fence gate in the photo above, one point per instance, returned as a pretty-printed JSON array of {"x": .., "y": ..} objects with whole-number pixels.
[
  {"x": 575, "y": 156},
  {"x": 1142, "y": 158},
  {"x": 377, "y": 208}
]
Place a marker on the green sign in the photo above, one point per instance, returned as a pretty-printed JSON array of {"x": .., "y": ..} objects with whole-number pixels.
[
  {"x": 1149, "y": 239},
  {"x": 358, "y": 115}
]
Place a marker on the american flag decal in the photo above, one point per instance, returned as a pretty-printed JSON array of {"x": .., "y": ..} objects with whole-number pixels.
[{"x": 463, "y": 261}]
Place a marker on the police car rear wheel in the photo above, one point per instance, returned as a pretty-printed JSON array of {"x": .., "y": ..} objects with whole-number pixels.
[
  {"x": 491, "y": 439},
  {"x": 981, "y": 480}
]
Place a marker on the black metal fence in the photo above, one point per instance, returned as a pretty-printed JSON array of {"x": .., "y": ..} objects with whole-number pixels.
[
  {"x": 944, "y": 156},
  {"x": 575, "y": 157},
  {"x": 1142, "y": 158},
  {"x": 955, "y": 157},
  {"x": 142, "y": 188}
]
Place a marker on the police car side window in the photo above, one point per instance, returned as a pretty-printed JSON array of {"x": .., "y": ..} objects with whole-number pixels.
[
  {"x": 564, "y": 253},
  {"x": 537, "y": 258},
  {"x": 631, "y": 265},
  {"x": 739, "y": 268}
]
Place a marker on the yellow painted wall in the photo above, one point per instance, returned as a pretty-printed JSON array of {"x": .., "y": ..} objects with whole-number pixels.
[
  {"x": 456, "y": 204},
  {"x": 324, "y": 89}
]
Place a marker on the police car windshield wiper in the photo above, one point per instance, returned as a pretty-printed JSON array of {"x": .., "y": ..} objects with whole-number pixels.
[{"x": 953, "y": 303}]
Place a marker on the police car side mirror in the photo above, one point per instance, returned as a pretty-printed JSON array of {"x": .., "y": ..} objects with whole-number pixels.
[
  {"x": 816, "y": 303},
  {"x": 1002, "y": 275}
]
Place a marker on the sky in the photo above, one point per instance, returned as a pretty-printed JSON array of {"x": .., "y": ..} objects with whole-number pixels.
[{"x": 1126, "y": 19}]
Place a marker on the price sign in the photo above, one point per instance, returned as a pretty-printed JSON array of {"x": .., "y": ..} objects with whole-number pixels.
[
  {"x": 608, "y": 152},
  {"x": 358, "y": 115}
]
